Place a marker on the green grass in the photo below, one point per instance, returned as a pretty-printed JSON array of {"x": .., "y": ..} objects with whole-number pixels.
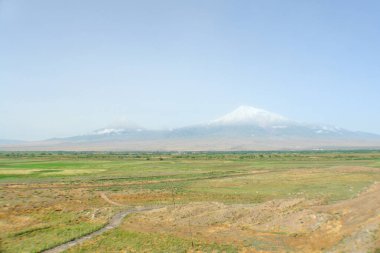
[
  {"x": 119, "y": 240},
  {"x": 55, "y": 229},
  {"x": 325, "y": 184}
]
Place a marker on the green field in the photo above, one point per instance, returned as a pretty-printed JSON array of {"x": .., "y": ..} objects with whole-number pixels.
[{"x": 50, "y": 198}]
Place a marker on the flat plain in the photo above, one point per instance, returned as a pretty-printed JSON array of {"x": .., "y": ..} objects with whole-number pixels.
[{"x": 198, "y": 202}]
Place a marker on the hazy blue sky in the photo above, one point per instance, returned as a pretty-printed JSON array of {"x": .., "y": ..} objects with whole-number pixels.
[{"x": 68, "y": 67}]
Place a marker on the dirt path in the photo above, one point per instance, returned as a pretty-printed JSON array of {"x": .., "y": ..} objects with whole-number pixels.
[
  {"x": 104, "y": 196},
  {"x": 113, "y": 223}
]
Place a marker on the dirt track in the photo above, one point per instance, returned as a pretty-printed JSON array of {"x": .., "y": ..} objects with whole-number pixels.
[
  {"x": 104, "y": 196},
  {"x": 113, "y": 223}
]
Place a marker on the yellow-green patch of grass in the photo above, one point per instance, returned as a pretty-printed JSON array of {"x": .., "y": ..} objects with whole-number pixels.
[
  {"x": 11, "y": 171},
  {"x": 329, "y": 185},
  {"x": 52, "y": 229},
  {"x": 119, "y": 240}
]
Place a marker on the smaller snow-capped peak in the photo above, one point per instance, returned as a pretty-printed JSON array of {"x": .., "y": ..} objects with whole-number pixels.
[
  {"x": 251, "y": 115},
  {"x": 108, "y": 131},
  {"x": 120, "y": 126},
  {"x": 115, "y": 131}
]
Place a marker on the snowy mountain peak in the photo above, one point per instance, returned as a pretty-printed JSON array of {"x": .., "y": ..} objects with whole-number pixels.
[{"x": 251, "y": 115}]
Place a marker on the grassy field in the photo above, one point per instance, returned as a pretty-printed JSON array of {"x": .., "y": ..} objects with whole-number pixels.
[{"x": 50, "y": 198}]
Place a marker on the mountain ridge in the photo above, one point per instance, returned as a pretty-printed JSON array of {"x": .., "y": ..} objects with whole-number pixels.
[{"x": 245, "y": 128}]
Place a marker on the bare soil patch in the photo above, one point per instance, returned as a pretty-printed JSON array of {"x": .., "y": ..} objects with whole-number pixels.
[{"x": 297, "y": 224}]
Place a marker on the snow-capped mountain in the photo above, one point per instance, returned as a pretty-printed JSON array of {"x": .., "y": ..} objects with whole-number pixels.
[
  {"x": 246, "y": 128},
  {"x": 247, "y": 120},
  {"x": 251, "y": 115},
  {"x": 244, "y": 120}
]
